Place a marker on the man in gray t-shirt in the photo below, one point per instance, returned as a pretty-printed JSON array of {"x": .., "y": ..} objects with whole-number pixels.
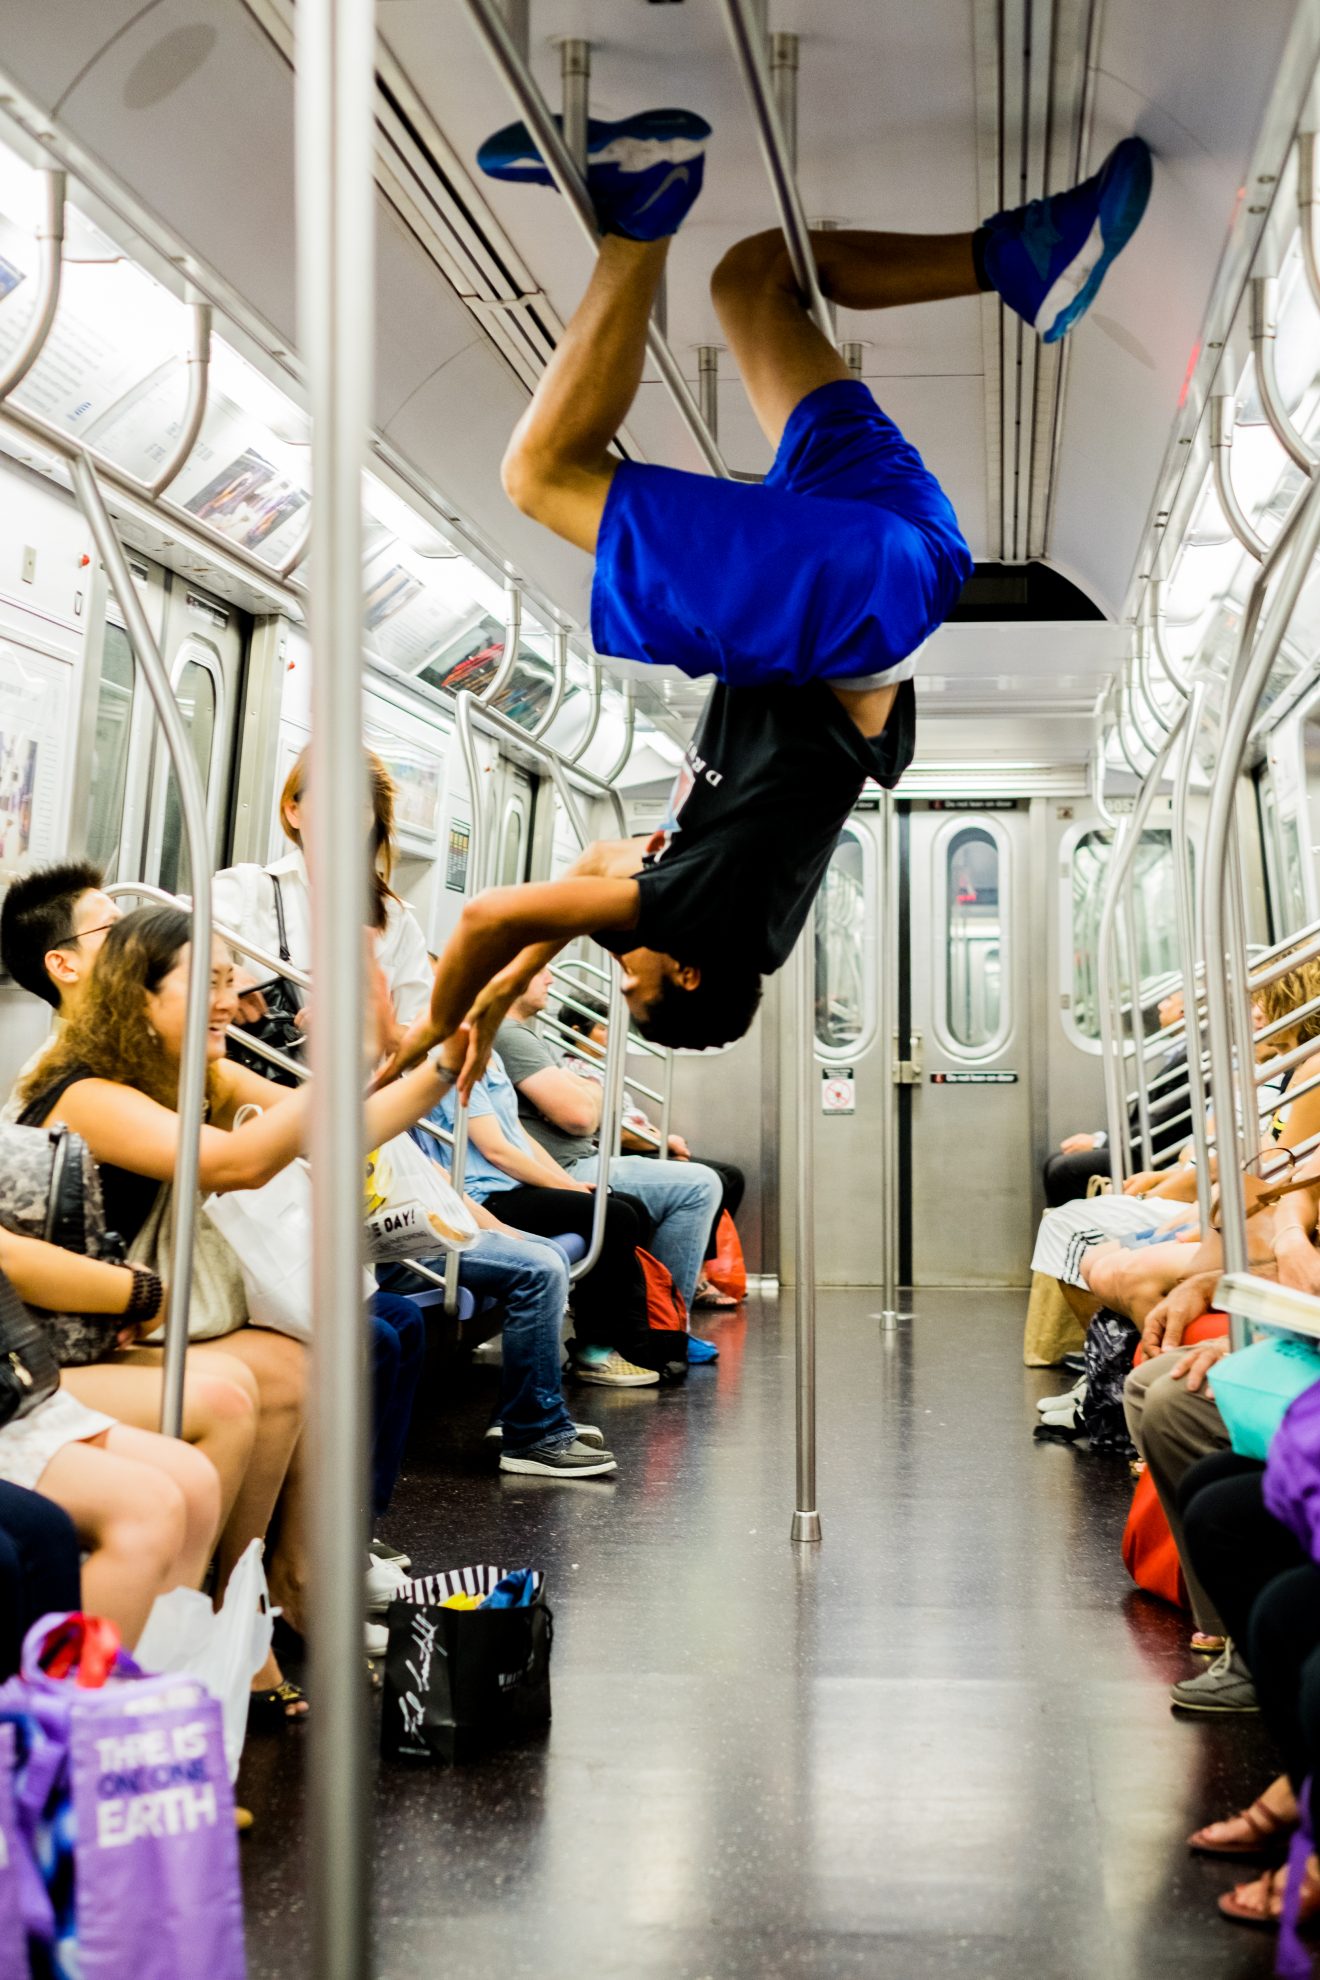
[{"x": 561, "y": 1110}]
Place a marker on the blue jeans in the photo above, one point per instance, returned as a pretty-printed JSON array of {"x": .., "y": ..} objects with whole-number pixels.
[
  {"x": 681, "y": 1199},
  {"x": 529, "y": 1278},
  {"x": 398, "y": 1349}
]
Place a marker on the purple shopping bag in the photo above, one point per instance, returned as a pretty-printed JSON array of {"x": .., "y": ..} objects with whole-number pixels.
[
  {"x": 158, "y": 1890},
  {"x": 13, "y": 1933}
]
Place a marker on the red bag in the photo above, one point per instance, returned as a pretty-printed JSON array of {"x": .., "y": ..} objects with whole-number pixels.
[
  {"x": 726, "y": 1270},
  {"x": 1149, "y": 1554},
  {"x": 665, "y": 1310}
]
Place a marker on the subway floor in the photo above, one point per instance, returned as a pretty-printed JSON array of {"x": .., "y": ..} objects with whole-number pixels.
[{"x": 937, "y": 1744}]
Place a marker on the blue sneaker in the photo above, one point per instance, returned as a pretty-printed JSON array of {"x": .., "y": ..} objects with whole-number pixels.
[
  {"x": 643, "y": 173},
  {"x": 1048, "y": 259},
  {"x": 699, "y": 1351}
]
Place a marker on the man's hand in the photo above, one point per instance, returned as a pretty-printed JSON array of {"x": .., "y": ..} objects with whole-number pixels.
[
  {"x": 1167, "y": 1322},
  {"x": 1077, "y": 1144},
  {"x": 1194, "y": 1367},
  {"x": 679, "y": 1149},
  {"x": 1297, "y": 1259},
  {"x": 483, "y": 1021}
]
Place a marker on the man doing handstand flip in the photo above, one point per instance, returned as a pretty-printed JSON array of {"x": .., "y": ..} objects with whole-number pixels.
[{"x": 806, "y": 596}]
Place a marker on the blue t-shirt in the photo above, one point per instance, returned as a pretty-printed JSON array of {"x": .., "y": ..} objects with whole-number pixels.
[{"x": 495, "y": 1094}]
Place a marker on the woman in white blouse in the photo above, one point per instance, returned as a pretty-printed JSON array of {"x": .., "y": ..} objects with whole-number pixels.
[{"x": 249, "y": 899}]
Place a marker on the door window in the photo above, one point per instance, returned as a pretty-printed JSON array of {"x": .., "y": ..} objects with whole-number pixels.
[
  {"x": 845, "y": 985},
  {"x": 511, "y": 849},
  {"x": 114, "y": 714},
  {"x": 975, "y": 1011},
  {"x": 196, "y": 696}
]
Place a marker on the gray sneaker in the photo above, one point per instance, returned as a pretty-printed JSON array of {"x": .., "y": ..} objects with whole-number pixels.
[
  {"x": 586, "y": 1433},
  {"x": 1225, "y": 1687},
  {"x": 567, "y": 1460}
]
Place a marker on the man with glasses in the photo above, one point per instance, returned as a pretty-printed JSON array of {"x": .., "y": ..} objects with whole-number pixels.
[{"x": 52, "y": 925}]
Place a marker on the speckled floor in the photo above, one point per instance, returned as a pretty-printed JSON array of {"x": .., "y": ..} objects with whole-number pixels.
[{"x": 938, "y": 1744}]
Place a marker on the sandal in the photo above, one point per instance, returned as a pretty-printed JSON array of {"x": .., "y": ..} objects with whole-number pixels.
[
  {"x": 1266, "y": 1835},
  {"x": 283, "y": 1705},
  {"x": 708, "y": 1295},
  {"x": 1260, "y": 1903}
]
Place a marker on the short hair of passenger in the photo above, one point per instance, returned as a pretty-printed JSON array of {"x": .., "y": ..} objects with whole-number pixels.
[
  {"x": 1299, "y": 985},
  {"x": 37, "y": 916},
  {"x": 584, "y": 1022},
  {"x": 110, "y": 1033},
  {"x": 382, "y": 827},
  {"x": 717, "y": 1011}
]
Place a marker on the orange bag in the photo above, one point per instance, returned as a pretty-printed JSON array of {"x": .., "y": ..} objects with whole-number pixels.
[
  {"x": 1149, "y": 1554},
  {"x": 726, "y": 1270}
]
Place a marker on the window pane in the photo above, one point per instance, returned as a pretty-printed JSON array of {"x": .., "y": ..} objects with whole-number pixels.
[
  {"x": 1154, "y": 911},
  {"x": 511, "y": 850},
  {"x": 840, "y": 948},
  {"x": 114, "y": 712},
  {"x": 196, "y": 697},
  {"x": 975, "y": 984}
]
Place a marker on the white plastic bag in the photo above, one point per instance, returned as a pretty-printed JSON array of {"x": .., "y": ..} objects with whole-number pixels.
[
  {"x": 413, "y": 1210},
  {"x": 185, "y": 1636},
  {"x": 270, "y": 1232}
]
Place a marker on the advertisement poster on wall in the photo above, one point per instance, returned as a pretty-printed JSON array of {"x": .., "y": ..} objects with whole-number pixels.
[{"x": 34, "y": 754}]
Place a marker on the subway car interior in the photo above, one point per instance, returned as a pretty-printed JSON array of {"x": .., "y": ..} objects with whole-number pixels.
[{"x": 879, "y": 1419}]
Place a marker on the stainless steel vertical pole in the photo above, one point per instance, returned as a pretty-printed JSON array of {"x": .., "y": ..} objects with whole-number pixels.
[
  {"x": 887, "y": 1181},
  {"x": 335, "y": 88},
  {"x": 575, "y": 77},
  {"x": 806, "y": 1518},
  {"x": 854, "y": 356},
  {"x": 708, "y": 387}
]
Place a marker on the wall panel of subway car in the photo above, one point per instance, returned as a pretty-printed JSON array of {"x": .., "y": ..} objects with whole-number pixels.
[{"x": 660, "y": 1017}]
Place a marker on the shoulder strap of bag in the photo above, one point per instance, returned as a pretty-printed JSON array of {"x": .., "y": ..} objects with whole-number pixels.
[{"x": 279, "y": 918}]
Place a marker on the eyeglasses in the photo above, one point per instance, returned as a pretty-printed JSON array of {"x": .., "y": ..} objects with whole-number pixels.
[{"x": 80, "y": 934}]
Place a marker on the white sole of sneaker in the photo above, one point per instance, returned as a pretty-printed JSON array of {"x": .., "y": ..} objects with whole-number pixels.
[
  {"x": 527, "y": 1467},
  {"x": 648, "y": 1381}
]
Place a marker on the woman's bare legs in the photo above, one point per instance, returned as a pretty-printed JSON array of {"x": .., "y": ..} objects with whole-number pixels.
[
  {"x": 132, "y": 1519},
  {"x": 220, "y": 1401}
]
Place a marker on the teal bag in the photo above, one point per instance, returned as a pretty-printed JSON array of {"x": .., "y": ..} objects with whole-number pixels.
[{"x": 1254, "y": 1387}]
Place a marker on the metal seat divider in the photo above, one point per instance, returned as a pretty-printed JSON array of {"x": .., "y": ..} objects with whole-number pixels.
[
  {"x": 746, "y": 32},
  {"x": 1289, "y": 558}
]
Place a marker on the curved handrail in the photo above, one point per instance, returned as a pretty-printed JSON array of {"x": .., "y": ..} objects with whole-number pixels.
[
  {"x": 1223, "y": 414},
  {"x": 139, "y": 890},
  {"x": 1291, "y": 553},
  {"x": 199, "y": 373},
  {"x": 588, "y": 735},
  {"x": 559, "y": 689},
  {"x": 1264, "y": 337},
  {"x": 499, "y": 680},
  {"x": 1155, "y": 623},
  {"x": 493, "y": 32},
  {"x": 1307, "y": 201},
  {"x": 298, "y": 554},
  {"x": 629, "y": 693},
  {"x": 50, "y": 241},
  {"x": 1140, "y": 663},
  {"x": 196, "y": 836},
  {"x": 1097, "y": 779},
  {"x": 1184, "y": 901}
]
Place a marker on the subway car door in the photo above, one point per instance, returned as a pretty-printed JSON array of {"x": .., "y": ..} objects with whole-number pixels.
[
  {"x": 202, "y": 646},
  {"x": 965, "y": 1118}
]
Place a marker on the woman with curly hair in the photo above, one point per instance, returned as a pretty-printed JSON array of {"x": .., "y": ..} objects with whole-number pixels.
[{"x": 112, "y": 1076}]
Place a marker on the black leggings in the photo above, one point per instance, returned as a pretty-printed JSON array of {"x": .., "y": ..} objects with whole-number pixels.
[
  {"x": 609, "y": 1304},
  {"x": 39, "y": 1567}
]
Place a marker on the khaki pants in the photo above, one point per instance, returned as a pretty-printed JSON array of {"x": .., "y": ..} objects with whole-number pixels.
[{"x": 1173, "y": 1428}]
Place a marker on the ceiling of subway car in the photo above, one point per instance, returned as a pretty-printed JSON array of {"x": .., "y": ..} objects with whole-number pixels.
[{"x": 906, "y": 120}]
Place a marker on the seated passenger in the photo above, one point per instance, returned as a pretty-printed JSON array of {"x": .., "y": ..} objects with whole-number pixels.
[
  {"x": 508, "y": 1171},
  {"x": 146, "y": 1508},
  {"x": 562, "y": 1113},
  {"x": 1079, "y": 1157},
  {"x": 52, "y": 924},
  {"x": 112, "y": 1076},
  {"x": 39, "y": 1567},
  {"x": 270, "y": 906},
  {"x": 639, "y": 1135}
]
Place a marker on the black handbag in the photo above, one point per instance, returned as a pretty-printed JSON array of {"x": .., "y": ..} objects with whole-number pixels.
[
  {"x": 278, "y": 1026},
  {"x": 29, "y": 1372}
]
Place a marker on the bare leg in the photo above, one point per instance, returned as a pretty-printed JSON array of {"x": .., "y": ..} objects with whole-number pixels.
[
  {"x": 132, "y": 1522},
  {"x": 778, "y": 349},
  {"x": 220, "y": 1403},
  {"x": 558, "y": 467}
]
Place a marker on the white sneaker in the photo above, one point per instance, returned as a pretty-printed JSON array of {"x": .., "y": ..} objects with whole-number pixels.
[
  {"x": 378, "y": 1639},
  {"x": 1049, "y": 1404},
  {"x": 384, "y": 1579}
]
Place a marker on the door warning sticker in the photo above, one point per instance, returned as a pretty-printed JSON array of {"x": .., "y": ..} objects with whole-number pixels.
[{"x": 974, "y": 1079}]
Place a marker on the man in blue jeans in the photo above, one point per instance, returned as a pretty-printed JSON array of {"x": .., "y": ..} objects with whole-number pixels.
[
  {"x": 562, "y": 1112},
  {"x": 807, "y": 597}
]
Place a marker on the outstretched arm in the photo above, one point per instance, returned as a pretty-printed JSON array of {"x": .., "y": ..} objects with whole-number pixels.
[{"x": 505, "y": 936}]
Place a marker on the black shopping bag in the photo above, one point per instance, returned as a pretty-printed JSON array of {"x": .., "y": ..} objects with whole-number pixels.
[{"x": 459, "y": 1681}]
